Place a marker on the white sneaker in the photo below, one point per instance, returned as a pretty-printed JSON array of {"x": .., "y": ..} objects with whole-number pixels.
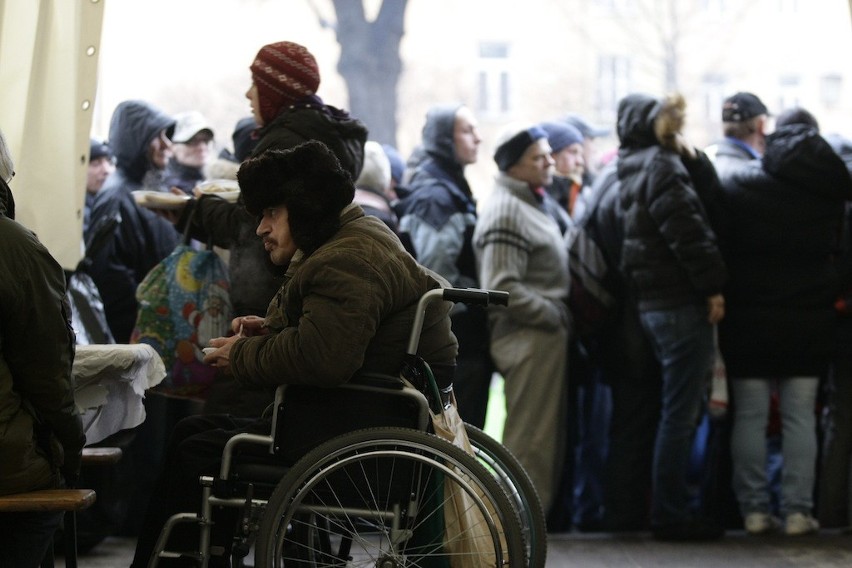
[
  {"x": 799, "y": 524},
  {"x": 761, "y": 523}
]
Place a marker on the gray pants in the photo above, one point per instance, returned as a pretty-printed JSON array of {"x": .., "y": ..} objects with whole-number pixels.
[{"x": 533, "y": 363}]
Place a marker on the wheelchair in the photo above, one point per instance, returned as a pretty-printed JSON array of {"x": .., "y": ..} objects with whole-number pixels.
[{"x": 383, "y": 493}]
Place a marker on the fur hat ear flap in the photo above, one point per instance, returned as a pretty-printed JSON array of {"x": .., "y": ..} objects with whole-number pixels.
[{"x": 668, "y": 125}]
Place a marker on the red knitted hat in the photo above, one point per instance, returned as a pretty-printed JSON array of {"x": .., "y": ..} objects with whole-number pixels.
[{"x": 283, "y": 72}]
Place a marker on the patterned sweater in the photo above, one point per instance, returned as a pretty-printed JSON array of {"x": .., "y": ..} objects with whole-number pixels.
[{"x": 520, "y": 249}]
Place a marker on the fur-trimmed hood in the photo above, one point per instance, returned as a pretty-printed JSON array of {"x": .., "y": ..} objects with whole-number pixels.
[{"x": 644, "y": 121}]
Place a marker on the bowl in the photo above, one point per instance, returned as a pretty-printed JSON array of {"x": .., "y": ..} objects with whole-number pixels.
[
  {"x": 159, "y": 199},
  {"x": 226, "y": 189}
]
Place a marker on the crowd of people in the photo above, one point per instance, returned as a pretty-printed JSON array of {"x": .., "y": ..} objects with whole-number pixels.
[{"x": 737, "y": 252}]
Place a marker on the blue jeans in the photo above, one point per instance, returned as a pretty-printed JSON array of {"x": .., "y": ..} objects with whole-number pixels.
[
  {"x": 594, "y": 411},
  {"x": 798, "y": 446},
  {"x": 683, "y": 341}
]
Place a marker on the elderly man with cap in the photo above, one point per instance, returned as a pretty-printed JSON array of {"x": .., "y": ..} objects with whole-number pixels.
[
  {"x": 519, "y": 248},
  {"x": 287, "y": 111},
  {"x": 744, "y": 126},
  {"x": 343, "y": 310},
  {"x": 101, "y": 164},
  {"x": 191, "y": 147},
  {"x": 566, "y": 145},
  {"x": 590, "y": 132}
]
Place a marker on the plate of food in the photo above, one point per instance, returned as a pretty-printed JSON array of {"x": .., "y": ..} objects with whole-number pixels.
[
  {"x": 227, "y": 189},
  {"x": 159, "y": 199}
]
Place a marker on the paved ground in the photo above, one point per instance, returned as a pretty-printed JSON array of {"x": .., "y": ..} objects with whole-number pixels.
[{"x": 829, "y": 549}]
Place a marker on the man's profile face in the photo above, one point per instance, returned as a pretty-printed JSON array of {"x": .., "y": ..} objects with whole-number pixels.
[
  {"x": 466, "y": 138},
  {"x": 274, "y": 229},
  {"x": 569, "y": 161},
  {"x": 536, "y": 166},
  {"x": 160, "y": 150}
]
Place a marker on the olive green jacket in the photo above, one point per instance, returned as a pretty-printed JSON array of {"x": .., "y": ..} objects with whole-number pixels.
[
  {"x": 36, "y": 353},
  {"x": 347, "y": 307}
]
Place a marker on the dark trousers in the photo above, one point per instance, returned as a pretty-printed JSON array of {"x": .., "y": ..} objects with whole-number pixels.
[
  {"x": 636, "y": 405},
  {"x": 472, "y": 387},
  {"x": 25, "y": 537},
  {"x": 835, "y": 480},
  {"x": 474, "y": 367}
]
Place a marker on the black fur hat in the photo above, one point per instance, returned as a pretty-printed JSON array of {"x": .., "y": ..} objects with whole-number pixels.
[{"x": 308, "y": 180}]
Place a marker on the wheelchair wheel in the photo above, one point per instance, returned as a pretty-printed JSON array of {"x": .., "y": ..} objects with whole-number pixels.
[
  {"x": 379, "y": 497},
  {"x": 515, "y": 481}
]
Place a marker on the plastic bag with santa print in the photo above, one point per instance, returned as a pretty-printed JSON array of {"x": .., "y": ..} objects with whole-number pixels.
[
  {"x": 717, "y": 406},
  {"x": 184, "y": 302}
]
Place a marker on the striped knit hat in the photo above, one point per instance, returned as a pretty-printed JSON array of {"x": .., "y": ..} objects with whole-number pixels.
[{"x": 283, "y": 72}]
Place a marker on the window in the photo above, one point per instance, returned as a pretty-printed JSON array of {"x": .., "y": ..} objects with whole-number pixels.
[
  {"x": 494, "y": 79},
  {"x": 789, "y": 93},
  {"x": 714, "y": 90},
  {"x": 714, "y": 6},
  {"x": 624, "y": 7},
  {"x": 788, "y": 6},
  {"x": 830, "y": 89}
]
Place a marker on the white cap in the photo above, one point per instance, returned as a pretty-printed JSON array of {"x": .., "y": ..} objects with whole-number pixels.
[{"x": 188, "y": 124}]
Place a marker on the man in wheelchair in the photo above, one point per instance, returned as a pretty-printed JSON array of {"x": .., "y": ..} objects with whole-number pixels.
[{"x": 346, "y": 307}]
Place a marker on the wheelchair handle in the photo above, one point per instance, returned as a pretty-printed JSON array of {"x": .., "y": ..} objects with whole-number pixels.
[
  {"x": 473, "y": 296},
  {"x": 476, "y": 296}
]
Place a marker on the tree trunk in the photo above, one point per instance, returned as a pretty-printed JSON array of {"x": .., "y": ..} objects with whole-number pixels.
[{"x": 370, "y": 63}]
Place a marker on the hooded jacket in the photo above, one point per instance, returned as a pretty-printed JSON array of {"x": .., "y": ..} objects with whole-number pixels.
[
  {"x": 438, "y": 218},
  {"x": 785, "y": 214},
  {"x": 439, "y": 215},
  {"x": 142, "y": 238},
  {"x": 670, "y": 256},
  {"x": 254, "y": 279},
  {"x": 36, "y": 353}
]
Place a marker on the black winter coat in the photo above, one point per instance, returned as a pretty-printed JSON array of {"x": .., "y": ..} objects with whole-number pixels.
[
  {"x": 670, "y": 256},
  {"x": 784, "y": 214}
]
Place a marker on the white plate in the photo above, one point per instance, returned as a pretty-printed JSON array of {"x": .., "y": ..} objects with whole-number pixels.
[
  {"x": 159, "y": 199},
  {"x": 227, "y": 189}
]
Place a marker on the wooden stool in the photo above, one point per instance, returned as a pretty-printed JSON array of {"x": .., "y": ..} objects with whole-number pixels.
[{"x": 45, "y": 500}]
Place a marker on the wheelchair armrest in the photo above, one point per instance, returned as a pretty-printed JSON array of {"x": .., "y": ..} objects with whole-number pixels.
[
  {"x": 236, "y": 440},
  {"x": 376, "y": 380}
]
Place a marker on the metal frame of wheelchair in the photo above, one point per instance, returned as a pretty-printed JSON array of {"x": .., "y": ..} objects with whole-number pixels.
[{"x": 374, "y": 497}]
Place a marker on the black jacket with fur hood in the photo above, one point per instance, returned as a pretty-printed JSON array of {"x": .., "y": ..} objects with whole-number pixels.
[{"x": 670, "y": 255}]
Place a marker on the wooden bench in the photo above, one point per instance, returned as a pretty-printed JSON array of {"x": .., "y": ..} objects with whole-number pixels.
[
  {"x": 46, "y": 500},
  {"x": 101, "y": 456}
]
